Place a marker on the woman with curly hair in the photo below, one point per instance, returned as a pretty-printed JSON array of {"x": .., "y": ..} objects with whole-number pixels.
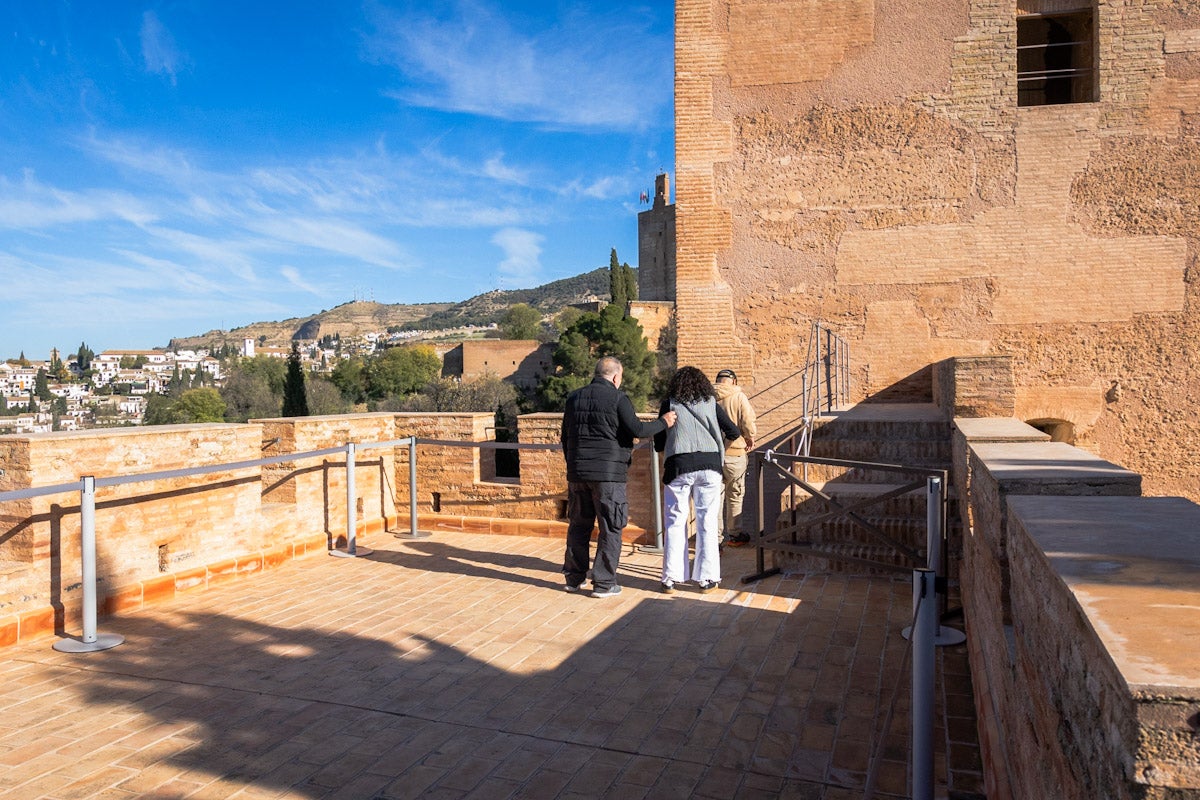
[{"x": 695, "y": 447}]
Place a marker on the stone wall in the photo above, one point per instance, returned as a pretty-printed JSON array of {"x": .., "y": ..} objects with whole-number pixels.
[
  {"x": 865, "y": 164},
  {"x": 1095, "y": 687}
]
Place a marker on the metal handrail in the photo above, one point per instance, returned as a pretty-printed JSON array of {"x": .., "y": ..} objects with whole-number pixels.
[{"x": 824, "y": 382}]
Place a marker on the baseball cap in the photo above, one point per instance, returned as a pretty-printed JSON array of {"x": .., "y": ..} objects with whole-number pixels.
[{"x": 727, "y": 373}]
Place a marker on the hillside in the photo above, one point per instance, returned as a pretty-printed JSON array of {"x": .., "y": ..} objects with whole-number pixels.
[
  {"x": 356, "y": 318},
  {"x": 348, "y": 319},
  {"x": 550, "y": 298}
]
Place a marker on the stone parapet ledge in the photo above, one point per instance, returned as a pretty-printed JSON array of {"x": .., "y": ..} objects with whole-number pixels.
[
  {"x": 996, "y": 471},
  {"x": 997, "y": 429},
  {"x": 1104, "y": 603},
  {"x": 970, "y": 430}
]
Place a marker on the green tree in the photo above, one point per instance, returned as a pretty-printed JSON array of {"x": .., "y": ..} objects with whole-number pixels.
[
  {"x": 295, "y": 402},
  {"x": 160, "y": 410},
  {"x": 200, "y": 405},
  {"x": 350, "y": 377},
  {"x": 630, "y": 278},
  {"x": 175, "y": 385},
  {"x": 84, "y": 357},
  {"x": 521, "y": 321},
  {"x": 41, "y": 385},
  {"x": 270, "y": 369},
  {"x": 325, "y": 398},
  {"x": 401, "y": 370},
  {"x": 609, "y": 333},
  {"x": 565, "y": 319},
  {"x": 248, "y": 396},
  {"x": 617, "y": 288}
]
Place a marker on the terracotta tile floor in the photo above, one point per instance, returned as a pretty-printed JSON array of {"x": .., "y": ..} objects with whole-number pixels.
[{"x": 456, "y": 667}]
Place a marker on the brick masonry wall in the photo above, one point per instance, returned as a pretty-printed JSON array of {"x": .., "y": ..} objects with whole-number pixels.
[
  {"x": 1109, "y": 691},
  {"x": 316, "y": 489},
  {"x": 147, "y": 530},
  {"x": 975, "y": 387},
  {"x": 877, "y": 174},
  {"x": 1044, "y": 690}
]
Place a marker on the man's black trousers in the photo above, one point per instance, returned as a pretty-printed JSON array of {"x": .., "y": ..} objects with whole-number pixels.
[{"x": 589, "y": 502}]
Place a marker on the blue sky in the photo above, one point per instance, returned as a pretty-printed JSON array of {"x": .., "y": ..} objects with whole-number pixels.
[{"x": 168, "y": 168}]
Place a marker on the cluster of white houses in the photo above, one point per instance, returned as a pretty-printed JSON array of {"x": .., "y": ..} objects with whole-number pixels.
[{"x": 121, "y": 380}]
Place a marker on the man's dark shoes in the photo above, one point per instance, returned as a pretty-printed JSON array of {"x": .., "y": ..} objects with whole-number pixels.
[{"x": 608, "y": 592}]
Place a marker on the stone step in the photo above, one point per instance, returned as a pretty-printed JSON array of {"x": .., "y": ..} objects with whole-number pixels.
[{"x": 887, "y": 451}]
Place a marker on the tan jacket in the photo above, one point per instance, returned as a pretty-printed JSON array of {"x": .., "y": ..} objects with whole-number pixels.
[{"x": 731, "y": 398}]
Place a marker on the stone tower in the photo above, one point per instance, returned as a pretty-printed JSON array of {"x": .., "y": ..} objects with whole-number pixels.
[{"x": 656, "y": 245}]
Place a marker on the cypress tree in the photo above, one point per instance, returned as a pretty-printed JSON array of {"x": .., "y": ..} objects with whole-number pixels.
[
  {"x": 617, "y": 287},
  {"x": 295, "y": 402}
]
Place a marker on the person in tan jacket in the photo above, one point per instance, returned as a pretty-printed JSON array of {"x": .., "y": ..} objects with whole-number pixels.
[{"x": 733, "y": 400}]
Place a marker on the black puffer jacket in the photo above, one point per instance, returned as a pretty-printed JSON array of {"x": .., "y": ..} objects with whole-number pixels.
[{"x": 598, "y": 430}]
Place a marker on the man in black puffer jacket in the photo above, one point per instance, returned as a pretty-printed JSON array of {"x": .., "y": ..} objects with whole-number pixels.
[{"x": 598, "y": 429}]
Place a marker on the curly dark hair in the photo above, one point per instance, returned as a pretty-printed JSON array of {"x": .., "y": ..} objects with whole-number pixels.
[{"x": 689, "y": 385}]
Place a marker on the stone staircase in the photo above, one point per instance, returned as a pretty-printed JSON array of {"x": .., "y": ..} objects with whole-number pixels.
[{"x": 901, "y": 434}]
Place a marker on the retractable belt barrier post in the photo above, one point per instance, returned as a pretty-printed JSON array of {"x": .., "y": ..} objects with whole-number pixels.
[
  {"x": 91, "y": 641},
  {"x": 352, "y": 549},
  {"x": 935, "y": 538},
  {"x": 656, "y": 495},
  {"x": 924, "y": 674},
  {"x": 413, "y": 533}
]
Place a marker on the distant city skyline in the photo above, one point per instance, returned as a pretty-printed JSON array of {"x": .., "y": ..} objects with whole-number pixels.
[{"x": 172, "y": 169}]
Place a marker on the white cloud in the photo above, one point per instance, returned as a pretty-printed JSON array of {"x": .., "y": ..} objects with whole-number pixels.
[
  {"x": 293, "y": 276},
  {"x": 334, "y": 236},
  {"x": 497, "y": 170},
  {"x": 585, "y": 72},
  {"x": 522, "y": 250},
  {"x": 34, "y": 205},
  {"x": 159, "y": 51}
]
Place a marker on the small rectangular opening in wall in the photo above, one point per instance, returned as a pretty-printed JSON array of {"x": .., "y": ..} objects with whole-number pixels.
[
  {"x": 164, "y": 558},
  {"x": 1056, "y": 58},
  {"x": 437, "y": 502},
  {"x": 562, "y": 509}
]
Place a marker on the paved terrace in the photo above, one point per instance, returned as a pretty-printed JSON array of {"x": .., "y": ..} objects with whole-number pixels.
[{"x": 457, "y": 667}]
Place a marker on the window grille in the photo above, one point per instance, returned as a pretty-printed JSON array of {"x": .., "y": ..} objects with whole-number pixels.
[{"x": 1056, "y": 58}]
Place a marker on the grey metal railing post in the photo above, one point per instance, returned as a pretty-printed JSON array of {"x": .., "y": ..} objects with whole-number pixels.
[
  {"x": 413, "y": 533},
  {"x": 761, "y": 521},
  {"x": 352, "y": 549},
  {"x": 924, "y": 673},
  {"x": 657, "y": 503},
  {"x": 91, "y": 641},
  {"x": 933, "y": 524},
  {"x": 351, "y": 501}
]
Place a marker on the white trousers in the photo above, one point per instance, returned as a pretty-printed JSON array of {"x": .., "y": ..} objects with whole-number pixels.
[{"x": 703, "y": 489}]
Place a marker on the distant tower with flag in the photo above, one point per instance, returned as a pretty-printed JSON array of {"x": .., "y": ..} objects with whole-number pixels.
[{"x": 656, "y": 245}]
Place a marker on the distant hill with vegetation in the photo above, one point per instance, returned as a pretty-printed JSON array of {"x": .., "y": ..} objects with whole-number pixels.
[
  {"x": 357, "y": 318},
  {"x": 550, "y": 298}
]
